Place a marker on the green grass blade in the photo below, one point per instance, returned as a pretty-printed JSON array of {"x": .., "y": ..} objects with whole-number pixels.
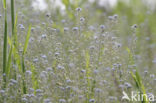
[
  {"x": 4, "y": 4},
  {"x": 9, "y": 62},
  {"x": 15, "y": 32},
  {"x": 137, "y": 77},
  {"x": 12, "y": 16},
  {"x": 27, "y": 40},
  {"x": 5, "y": 43},
  {"x": 23, "y": 64}
]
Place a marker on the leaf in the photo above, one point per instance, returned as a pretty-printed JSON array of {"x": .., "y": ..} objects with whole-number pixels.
[{"x": 27, "y": 40}]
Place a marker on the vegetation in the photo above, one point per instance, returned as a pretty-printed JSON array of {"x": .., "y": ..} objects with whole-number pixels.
[{"x": 86, "y": 53}]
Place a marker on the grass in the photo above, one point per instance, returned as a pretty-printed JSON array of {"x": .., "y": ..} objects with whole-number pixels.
[
  {"x": 5, "y": 44},
  {"x": 23, "y": 56}
]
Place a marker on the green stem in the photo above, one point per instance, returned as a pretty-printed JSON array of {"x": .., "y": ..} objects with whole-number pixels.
[{"x": 5, "y": 44}]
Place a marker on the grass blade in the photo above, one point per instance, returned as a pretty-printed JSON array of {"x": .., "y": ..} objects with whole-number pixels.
[
  {"x": 5, "y": 43},
  {"x": 24, "y": 51},
  {"x": 9, "y": 62},
  {"x": 27, "y": 40},
  {"x": 12, "y": 16}
]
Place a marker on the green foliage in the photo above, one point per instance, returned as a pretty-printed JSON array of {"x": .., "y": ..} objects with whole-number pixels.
[{"x": 137, "y": 78}]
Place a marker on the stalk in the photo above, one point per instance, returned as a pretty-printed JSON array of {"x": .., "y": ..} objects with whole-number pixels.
[
  {"x": 12, "y": 16},
  {"x": 5, "y": 44},
  {"x": 23, "y": 55}
]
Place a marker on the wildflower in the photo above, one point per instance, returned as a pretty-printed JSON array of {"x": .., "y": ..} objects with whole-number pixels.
[
  {"x": 71, "y": 65},
  {"x": 83, "y": 71},
  {"x": 32, "y": 29},
  {"x": 47, "y": 101},
  {"x": 118, "y": 45},
  {"x": 57, "y": 54},
  {"x": 54, "y": 30},
  {"x": 63, "y": 21},
  {"x": 44, "y": 56},
  {"x": 110, "y": 17},
  {"x": 39, "y": 91},
  {"x": 145, "y": 72},
  {"x": 27, "y": 95},
  {"x": 43, "y": 36},
  {"x": 21, "y": 26},
  {"x": 97, "y": 90},
  {"x": 102, "y": 26},
  {"x": 134, "y": 26},
  {"x": 35, "y": 60},
  {"x": 152, "y": 75},
  {"x": 31, "y": 39},
  {"x": 28, "y": 72},
  {"x": 115, "y": 16},
  {"x": 154, "y": 60},
  {"x": 68, "y": 81},
  {"x": 24, "y": 100},
  {"x": 43, "y": 74},
  {"x": 43, "y": 23},
  {"x": 81, "y": 96},
  {"x": 91, "y": 28},
  {"x": 78, "y": 9},
  {"x": 112, "y": 98},
  {"x": 95, "y": 37},
  {"x": 75, "y": 28},
  {"x": 113, "y": 69},
  {"x": 62, "y": 101},
  {"x": 68, "y": 87},
  {"x": 60, "y": 67},
  {"x": 128, "y": 85},
  {"x": 2, "y": 92},
  {"x": 92, "y": 47},
  {"x": 49, "y": 69},
  {"x": 91, "y": 100},
  {"x": 31, "y": 90},
  {"x": 96, "y": 71},
  {"x": 19, "y": 76},
  {"x": 32, "y": 95},
  {"x": 13, "y": 81},
  {"x": 48, "y": 15},
  {"x": 66, "y": 29},
  {"x": 82, "y": 19},
  {"x": 49, "y": 53}
]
